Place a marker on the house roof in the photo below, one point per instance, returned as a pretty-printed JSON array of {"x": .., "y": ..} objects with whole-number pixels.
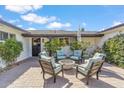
[
  {"x": 108, "y": 29},
  {"x": 60, "y": 33},
  {"x": 13, "y": 26}
]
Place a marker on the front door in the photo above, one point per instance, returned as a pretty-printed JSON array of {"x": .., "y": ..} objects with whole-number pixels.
[{"x": 36, "y": 46}]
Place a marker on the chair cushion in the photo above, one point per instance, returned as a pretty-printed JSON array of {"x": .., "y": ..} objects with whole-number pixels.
[
  {"x": 53, "y": 62},
  {"x": 43, "y": 53},
  {"x": 58, "y": 68},
  {"x": 77, "y": 53},
  {"x": 74, "y": 57},
  {"x": 99, "y": 56},
  {"x": 88, "y": 64},
  {"x": 82, "y": 70},
  {"x": 45, "y": 58},
  {"x": 57, "y": 65},
  {"x": 49, "y": 59},
  {"x": 61, "y": 57}
]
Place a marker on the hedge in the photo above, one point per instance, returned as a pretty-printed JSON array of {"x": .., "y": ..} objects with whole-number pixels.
[{"x": 114, "y": 49}]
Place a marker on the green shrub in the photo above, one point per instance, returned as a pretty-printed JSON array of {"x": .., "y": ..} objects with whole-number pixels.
[
  {"x": 75, "y": 45},
  {"x": 10, "y": 50},
  {"x": 84, "y": 45},
  {"x": 114, "y": 49},
  {"x": 52, "y": 46}
]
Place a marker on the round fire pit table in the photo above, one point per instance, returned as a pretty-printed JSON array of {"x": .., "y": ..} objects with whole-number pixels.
[{"x": 67, "y": 63}]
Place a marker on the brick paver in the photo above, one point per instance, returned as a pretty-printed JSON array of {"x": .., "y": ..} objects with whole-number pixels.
[{"x": 28, "y": 75}]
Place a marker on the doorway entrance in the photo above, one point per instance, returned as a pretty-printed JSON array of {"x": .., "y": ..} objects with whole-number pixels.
[{"x": 36, "y": 46}]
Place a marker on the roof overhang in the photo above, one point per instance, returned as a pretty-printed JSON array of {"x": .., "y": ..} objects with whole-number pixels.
[
  {"x": 13, "y": 26},
  {"x": 60, "y": 35}
]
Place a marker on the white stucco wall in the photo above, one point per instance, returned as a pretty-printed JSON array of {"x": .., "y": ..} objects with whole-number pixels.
[
  {"x": 109, "y": 35},
  {"x": 27, "y": 49}
]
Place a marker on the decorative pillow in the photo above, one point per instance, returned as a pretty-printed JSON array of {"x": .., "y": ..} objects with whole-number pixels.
[{"x": 77, "y": 53}]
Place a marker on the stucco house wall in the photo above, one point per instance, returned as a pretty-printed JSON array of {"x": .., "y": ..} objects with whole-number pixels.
[
  {"x": 109, "y": 34},
  {"x": 25, "y": 41},
  {"x": 92, "y": 40}
]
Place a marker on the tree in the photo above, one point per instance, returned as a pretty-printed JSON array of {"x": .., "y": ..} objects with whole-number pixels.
[
  {"x": 10, "y": 50},
  {"x": 82, "y": 29}
]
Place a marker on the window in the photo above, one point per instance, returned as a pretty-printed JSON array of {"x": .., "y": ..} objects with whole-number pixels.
[
  {"x": 12, "y": 36},
  {"x": 3, "y": 35}
]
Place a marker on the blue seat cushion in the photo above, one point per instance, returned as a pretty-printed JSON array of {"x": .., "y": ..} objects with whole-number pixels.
[
  {"x": 61, "y": 57},
  {"x": 74, "y": 57},
  {"x": 77, "y": 53}
]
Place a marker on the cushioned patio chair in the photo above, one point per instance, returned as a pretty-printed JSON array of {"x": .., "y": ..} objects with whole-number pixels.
[
  {"x": 60, "y": 55},
  {"x": 77, "y": 56},
  {"x": 97, "y": 57},
  {"x": 88, "y": 69},
  {"x": 49, "y": 66}
]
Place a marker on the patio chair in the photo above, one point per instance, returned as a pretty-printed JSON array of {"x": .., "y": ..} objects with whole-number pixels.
[
  {"x": 97, "y": 57},
  {"x": 77, "y": 56},
  {"x": 49, "y": 66},
  {"x": 89, "y": 69},
  {"x": 59, "y": 55}
]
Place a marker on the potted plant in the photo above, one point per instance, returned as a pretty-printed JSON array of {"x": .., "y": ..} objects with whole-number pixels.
[{"x": 52, "y": 46}]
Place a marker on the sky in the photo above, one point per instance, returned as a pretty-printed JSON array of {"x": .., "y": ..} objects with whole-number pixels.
[{"x": 63, "y": 17}]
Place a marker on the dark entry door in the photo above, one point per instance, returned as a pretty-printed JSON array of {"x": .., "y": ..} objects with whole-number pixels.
[{"x": 36, "y": 46}]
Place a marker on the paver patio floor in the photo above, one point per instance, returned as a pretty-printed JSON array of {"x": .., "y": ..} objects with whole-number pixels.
[{"x": 28, "y": 74}]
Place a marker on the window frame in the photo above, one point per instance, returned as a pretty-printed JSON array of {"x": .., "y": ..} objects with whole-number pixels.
[{"x": 2, "y": 39}]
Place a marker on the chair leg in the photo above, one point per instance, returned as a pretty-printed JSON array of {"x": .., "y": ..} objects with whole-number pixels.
[
  {"x": 87, "y": 80},
  {"x": 62, "y": 73},
  {"x": 54, "y": 78},
  {"x": 97, "y": 75},
  {"x": 77, "y": 74}
]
